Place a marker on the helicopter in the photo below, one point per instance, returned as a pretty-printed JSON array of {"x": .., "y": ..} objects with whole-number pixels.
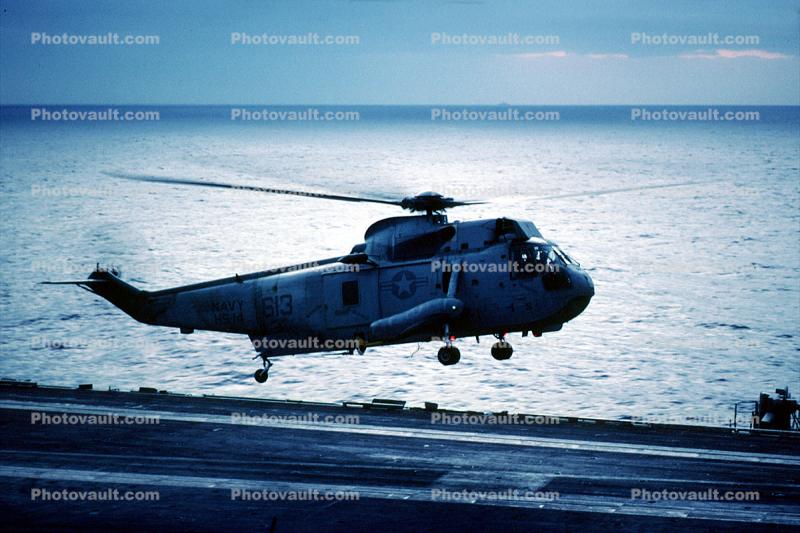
[{"x": 415, "y": 278}]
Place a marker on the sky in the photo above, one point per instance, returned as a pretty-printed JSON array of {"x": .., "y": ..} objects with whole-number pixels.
[{"x": 402, "y": 52}]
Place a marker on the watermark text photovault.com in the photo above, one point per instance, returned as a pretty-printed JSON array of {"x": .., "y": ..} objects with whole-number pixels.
[
  {"x": 464, "y": 495},
  {"x": 510, "y": 114},
  {"x": 247, "y": 419},
  {"x": 106, "y": 39},
  {"x": 308, "y": 495},
  {"x": 310, "y": 114},
  {"x": 306, "y": 39},
  {"x": 107, "y": 495},
  {"x": 706, "y": 115},
  {"x": 110, "y": 419},
  {"x": 492, "y": 419},
  {"x": 440, "y": 38},
  {"x": 110, "y": 114},
  {"x": 705, "y": 39},
  {"x": 707, "y": 495}
]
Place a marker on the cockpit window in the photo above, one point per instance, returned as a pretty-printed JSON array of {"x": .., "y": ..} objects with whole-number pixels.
[
  {"x": 532, "y": 258},
  {"x": 563, "y": 255}
]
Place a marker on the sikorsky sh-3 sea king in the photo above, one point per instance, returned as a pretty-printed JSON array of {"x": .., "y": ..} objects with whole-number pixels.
[{"x": 416, "y": 278}]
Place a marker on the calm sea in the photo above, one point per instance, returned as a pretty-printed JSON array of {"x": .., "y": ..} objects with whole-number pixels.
[{"x": 698, "y": 286}]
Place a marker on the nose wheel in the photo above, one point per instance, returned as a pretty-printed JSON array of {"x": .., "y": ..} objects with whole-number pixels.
[{"x": 262, "y": 374}]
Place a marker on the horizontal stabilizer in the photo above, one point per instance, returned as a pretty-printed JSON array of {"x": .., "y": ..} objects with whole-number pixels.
[{"x": 108, "y": 285}]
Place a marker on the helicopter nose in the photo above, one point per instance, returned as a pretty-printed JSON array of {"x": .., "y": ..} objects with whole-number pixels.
[
  {"x": 583, "y": 284},
  {"x": 582, "y": 290}
]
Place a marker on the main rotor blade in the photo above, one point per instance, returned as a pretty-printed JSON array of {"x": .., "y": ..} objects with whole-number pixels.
[
  {"x": 253, "y": 188},
  {"x": 459, "y": 204},
  {"x": 624, "y": 189}
]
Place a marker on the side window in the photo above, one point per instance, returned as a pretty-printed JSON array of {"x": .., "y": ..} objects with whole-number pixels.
[{"x": 350, "y": 292}]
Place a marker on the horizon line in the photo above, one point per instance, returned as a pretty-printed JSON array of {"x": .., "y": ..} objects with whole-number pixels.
[{"x": 500, "y": 104}]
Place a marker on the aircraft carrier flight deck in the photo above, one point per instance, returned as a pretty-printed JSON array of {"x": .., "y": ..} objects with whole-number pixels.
[{"x": 82, "y": 459}]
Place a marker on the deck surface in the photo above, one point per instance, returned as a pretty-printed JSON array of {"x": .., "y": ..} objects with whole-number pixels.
[{"x": 219, "y": 464}]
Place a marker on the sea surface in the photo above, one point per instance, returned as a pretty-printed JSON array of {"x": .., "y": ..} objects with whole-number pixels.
[{"x": 697, "y": 299}]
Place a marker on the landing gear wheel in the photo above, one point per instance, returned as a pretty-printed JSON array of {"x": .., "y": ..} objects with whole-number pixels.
[
  {"x": 262, "y": 374},
  {"x": 502, "y": 350},
  {"x": 361, "y": 344},
  {"x": 449, "y": 355}
]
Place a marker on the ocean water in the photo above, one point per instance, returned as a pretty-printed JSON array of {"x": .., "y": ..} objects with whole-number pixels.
[{"x": 697, "y": 299}]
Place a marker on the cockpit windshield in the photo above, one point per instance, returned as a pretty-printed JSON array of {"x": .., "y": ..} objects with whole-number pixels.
[
  {"x": 538, "y": 256},
  {"x": 563, "y": 255},
  {"x": 534, "y": 258}
]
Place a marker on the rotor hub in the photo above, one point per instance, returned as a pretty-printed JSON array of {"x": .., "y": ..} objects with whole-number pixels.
[{"x": 427, "y": 201}]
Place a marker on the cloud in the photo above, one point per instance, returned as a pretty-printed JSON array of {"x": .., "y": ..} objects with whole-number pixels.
[
  {"x": 539, "y": 55},
  {"x": 722, "y": 53},
  {"x": 560, "y": 54},
  {"x": 607, "y": 56}
]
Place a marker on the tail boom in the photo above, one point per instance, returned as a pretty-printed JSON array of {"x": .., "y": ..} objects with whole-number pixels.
[{"x": 226, "y": 307}]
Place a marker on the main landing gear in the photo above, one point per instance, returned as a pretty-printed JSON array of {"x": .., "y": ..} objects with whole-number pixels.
[
  {"x": 448, "y": 354},
  {"x": 502, "y": 350},
  {"x": 262, "y": 374}
]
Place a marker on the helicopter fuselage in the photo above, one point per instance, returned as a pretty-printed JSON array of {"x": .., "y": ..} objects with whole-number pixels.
[{"x": 416, "y": 278}]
